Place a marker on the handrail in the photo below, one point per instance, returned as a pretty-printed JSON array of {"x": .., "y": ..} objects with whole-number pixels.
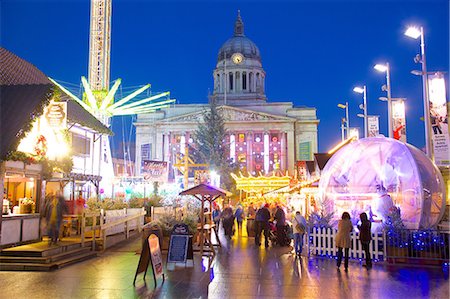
[{"x": 102, "y": 227}]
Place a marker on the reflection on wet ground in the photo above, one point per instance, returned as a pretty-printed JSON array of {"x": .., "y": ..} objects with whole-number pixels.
[{"x": 240, "y": 270}]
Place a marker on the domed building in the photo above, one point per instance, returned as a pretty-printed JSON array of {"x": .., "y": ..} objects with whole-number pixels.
[{"x": 262, "y": 136}]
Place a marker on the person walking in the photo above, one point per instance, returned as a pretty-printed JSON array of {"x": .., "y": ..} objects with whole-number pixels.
[
  {"x": 343, "y": 241},
  {"x": 54, "y": 210},
  {"x": 239, "y": 215},
  {"x": 280, "y": 217},
  {"x": 227, "y": 221},
  {"x": 299, "y": 223},
  {"x": 262, "y": 224},
  {"x": 365, "y": 236}
]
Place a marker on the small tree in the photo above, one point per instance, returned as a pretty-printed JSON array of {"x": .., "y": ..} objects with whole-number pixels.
[{"x": 210, "y": 137}]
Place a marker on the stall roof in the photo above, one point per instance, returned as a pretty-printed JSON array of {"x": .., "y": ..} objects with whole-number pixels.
[
  {"x": 25, "y": 91},
  {"x": 322, "y": 159},
  {"x": 79, "y": 115},
  {"x": 204, "y": 189}
]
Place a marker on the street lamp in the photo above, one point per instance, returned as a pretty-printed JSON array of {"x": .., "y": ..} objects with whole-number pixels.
[
  {"x": 363, "y": 90},
  {"x": 387, "y": 88},
  {"x": 346, "y": 120},
  {"x": 415, "y": 33}
]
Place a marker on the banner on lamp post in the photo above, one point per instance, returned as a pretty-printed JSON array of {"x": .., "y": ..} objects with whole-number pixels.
[
  {"x": 354, "y": 132},
  {"x": 399, "y": 120},
  {"x": 373, "y": 124},
  {"x": 439, "y": 119}
]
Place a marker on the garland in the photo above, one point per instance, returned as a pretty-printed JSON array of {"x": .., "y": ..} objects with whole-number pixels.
[{"x": 64, "y": 165}]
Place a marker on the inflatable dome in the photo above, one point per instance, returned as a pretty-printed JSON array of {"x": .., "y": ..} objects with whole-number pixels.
[{"x": 373, "y": 175}]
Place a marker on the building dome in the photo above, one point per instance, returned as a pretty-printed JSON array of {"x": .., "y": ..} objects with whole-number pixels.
[
  {"x": 239, "y": 43},
  {"x": 374, "y": 174}
]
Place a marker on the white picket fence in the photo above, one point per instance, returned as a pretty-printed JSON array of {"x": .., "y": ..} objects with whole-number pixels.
[{"x": 322, "y": 242}]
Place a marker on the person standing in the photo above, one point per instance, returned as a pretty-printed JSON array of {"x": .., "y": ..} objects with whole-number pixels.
[
  {"x": 262, "y": 224},
  {"x": 54, "y": 211},
  {"x": 251, "y": 212},
  {"x": 280, "y": 217},
  {"x": 299, "y": 223},
  {"x": 343, "y": 241},
  {"x": 365, "y": 236},
  {"x": 239, "y": 215},
  {"x": 79, "y": 204},
  {"x": 216, "y": 216}
]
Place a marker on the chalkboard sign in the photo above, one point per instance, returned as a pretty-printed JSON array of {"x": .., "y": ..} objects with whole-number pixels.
[{"x": 178, "y": 249}]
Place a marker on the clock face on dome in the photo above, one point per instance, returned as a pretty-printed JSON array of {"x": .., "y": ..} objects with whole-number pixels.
[{"x": 237, "y": 58}]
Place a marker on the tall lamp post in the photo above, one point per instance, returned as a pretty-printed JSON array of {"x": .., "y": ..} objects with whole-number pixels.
[
  {"x": 347, "y": 124},
  {"x": 415, "y": 33},
  {"x": 387, "y": 88},
  {"x": 363, "y": 90}
]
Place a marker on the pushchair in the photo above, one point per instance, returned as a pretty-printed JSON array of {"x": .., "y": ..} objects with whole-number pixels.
[{"x": 273, "y": 235}]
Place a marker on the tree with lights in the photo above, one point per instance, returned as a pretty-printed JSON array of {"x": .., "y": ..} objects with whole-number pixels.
[{"x": 210, "y": 137}]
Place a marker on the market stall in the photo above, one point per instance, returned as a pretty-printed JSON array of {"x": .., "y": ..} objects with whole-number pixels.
[{"x": 207, "y": 195}]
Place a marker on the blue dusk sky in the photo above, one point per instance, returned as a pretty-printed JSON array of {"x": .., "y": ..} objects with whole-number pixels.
[{"x": 314, "y": 52}]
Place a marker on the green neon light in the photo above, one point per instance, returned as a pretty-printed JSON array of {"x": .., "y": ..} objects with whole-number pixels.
[{"x": 129, "y": 97}]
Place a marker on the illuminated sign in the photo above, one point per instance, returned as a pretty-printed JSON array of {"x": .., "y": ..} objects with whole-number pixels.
[
  {"x": 439, "y": 119},
  {"x": 399, "y": 120},
  {"x": 373, "y": 125}
]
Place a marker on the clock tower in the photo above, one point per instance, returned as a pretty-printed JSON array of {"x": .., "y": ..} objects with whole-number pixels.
[{"x": 239, "y": 76}]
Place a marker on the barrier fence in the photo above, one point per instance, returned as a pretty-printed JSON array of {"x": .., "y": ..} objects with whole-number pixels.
[
  {"x": 322, "y": 242},
  {"x": 394, "y": 246}
]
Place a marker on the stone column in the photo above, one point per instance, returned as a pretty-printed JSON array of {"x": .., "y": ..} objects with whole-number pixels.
[
  {"x": 249, "y": 141},
  {"x": 159, "y": 146},
  {"x": 291, "y": 151},
  {"x": 283, "y": 151}
]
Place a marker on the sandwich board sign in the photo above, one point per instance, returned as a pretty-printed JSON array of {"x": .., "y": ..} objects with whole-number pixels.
[{"x": 151, "y": 253}]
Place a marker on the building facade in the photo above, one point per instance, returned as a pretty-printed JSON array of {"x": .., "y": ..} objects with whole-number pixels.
[{"x": 262, "y": 136}]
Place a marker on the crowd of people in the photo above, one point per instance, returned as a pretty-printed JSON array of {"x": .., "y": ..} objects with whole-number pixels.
[{"x": 276, "y": 227}]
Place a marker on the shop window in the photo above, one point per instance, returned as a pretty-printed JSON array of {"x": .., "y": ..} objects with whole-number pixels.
[
  {"x": 146, "y": 151},
  {"x": 81, "y": 145}
]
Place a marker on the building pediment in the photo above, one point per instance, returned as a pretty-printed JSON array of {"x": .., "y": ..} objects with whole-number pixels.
[{"x": 230, "y": 114}]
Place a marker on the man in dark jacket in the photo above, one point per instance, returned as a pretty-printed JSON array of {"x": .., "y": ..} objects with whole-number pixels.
[
  {"x": 262, "y": 224},
  {"x": 280, "y": 217},
  {"x": 365, "y": 236}
]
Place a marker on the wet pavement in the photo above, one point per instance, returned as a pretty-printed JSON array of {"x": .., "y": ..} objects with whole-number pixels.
[{"x": 240, "y": 270}]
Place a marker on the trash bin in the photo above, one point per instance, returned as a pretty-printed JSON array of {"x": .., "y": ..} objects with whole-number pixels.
[
  {"x": 250, "y": 227},
  {"x": 152, "y": 228}
]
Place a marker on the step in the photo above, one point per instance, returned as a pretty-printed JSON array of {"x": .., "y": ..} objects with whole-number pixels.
[
  {"x": 44, "y": 259},
  {"x": 41, "y": 249},
  {"x": 26, "y": 267},
  {"x": 46, "y": 267},
  {"x": 75, "y": 259}
]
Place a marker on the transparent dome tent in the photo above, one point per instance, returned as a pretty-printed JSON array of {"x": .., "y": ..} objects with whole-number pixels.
[{"x": 374, "y": 174}]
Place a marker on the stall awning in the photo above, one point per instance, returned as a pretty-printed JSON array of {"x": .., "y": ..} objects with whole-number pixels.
[{"x": 204, "y": 189}]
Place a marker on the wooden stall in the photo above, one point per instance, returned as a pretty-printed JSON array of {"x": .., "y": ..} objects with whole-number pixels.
[{"x": 206, "y": 193}]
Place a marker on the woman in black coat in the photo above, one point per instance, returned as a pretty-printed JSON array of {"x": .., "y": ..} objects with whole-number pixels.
[{"x": 365, "y": 236}]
